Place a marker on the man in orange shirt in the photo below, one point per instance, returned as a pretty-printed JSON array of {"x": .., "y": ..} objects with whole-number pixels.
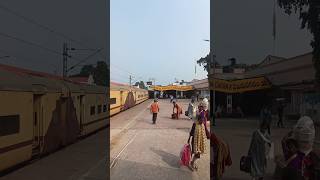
[{"x": 154, "y": 110}]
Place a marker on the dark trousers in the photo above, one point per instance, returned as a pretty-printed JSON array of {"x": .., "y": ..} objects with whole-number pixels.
[
  {"x": 280, "y": 122},
  {"x": 154, "y": 117}
]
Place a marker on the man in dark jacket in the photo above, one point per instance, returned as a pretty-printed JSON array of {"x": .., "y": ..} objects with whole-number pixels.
[{"x": 280, "y": 115}]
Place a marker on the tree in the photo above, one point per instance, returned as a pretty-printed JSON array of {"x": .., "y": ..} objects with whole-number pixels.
[
  {"x": 100, "y": 75},
  {"x": 205, "y": 61},
  {"x": 86, "y": 70},
  {"x": 233, "y": 61},
  {"x": 142, "y": 85},
  {"x": 309, "y": 11}
]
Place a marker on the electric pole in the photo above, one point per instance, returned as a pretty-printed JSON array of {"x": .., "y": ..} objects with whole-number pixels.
[
  {"x": 130, "y": 79},
  {"x": 65, "y": 60}
]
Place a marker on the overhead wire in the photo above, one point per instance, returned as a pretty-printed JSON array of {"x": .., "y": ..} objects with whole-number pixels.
[
  {"x": 24, "y": 58},
  {"x": 34, "y": 22},
  {"x": 120, "y": 68},
  {"x": 29, "y": 43}
]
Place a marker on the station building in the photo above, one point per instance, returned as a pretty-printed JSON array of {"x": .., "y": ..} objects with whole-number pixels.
[{"x": 275, "y": 78}]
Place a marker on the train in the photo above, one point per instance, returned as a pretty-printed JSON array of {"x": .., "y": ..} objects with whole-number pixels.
[
  {"x": 123, "y": 97},
  {"x": 40, "y": 113}
]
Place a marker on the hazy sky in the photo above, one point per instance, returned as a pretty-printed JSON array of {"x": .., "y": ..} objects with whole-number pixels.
[
  {"x": 243, "y": 29},
  {"x": 159, "y": 39},
  {"x": 163, "y": 38},
  {"x": 81, "y": 20}
]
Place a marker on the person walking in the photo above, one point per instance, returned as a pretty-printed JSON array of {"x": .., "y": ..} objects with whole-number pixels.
[
  {"x": 154, "y": 110},
  {"x": 257, "y": 151},
  {"x": 265, "y": 115},
  {"x": 192, "y": 110},
  {"x": 198, "y": 141},
  {"x": 280, "y": 115}
]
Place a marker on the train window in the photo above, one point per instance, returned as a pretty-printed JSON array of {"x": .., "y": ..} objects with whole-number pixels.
[
  {"x": 104, "y": 108},
  {"x": 99, "y": 109},
  {"x": 92, "y": 110},
  {"x": 9, "y": 125},
  {"x": 113, "y": 100}
]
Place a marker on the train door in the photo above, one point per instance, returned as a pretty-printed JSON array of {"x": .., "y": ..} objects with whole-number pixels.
[
  {"x": 82, "y": 113},
  {"x": 37, "y": 124},
  {"x": 121, "y": 100},
  {"x": 135, "y": 96}
]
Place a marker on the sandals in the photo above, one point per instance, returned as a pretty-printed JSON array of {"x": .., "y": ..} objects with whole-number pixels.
[{"x": 193, "y": 166}]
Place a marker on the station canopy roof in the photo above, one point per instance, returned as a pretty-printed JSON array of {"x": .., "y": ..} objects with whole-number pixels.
[{"x": 225, "y": 86}]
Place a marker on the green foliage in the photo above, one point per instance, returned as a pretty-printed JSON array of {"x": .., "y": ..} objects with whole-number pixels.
[
  {"x": 309, "y": 11},
  {"x": 142, "y": 85},
  {"x": 100, "y": 75},
  {"x": 205, "y": 61},
  {"x": 86, "y": 70}
]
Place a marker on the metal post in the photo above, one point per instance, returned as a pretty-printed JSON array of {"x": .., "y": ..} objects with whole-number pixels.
[
  {"x": 212, "y": 92},
  {"x": 65, "y": 59},
  {"x": 154, "y": 89}
]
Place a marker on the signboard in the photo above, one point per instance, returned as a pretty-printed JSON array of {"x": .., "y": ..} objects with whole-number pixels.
[
  {"x": 238, "y": 86},
  {"x": 173, "y": 88},
  {"x": 149, "y": 83}
]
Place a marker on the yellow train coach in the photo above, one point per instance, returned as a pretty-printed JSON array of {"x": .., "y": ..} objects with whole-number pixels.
[
  {"x": 123, "y": 97},
  {"x": 40, "y": 113}
]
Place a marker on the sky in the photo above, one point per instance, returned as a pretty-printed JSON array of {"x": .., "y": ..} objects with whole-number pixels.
[
  {"x": 162, "y": 39},
  {"x": 243, "y": 30},
  {"x": 85, "y": 22},
  {"x": 159, "y": 39}
]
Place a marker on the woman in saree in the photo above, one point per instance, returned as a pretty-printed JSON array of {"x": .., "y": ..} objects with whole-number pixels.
[
  {"x": 258, "y": 150},
  {"x": 301, "y": 163},
  {"x": 192, "y": 109},
  {"x": 198, "y": 134}
]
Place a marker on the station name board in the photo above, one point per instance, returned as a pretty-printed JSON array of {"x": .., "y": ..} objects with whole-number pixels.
[
  {"x": 172, "y": 88},
  {"x": 239, "y": 86}
]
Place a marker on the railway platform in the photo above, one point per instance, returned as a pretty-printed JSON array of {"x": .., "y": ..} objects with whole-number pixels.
[{"x": 141, "y": 150}]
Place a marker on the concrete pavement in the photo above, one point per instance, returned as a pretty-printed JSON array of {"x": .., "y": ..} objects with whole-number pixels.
[
  {"x": 237, "y": 133},
  {"x": 148, "y": 151},
  {"x": 84, "y": 160}
]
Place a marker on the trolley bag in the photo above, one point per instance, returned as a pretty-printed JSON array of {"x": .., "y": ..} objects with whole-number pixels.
[
  {"x": 245, "y": 164},
  {"x": 173, "y": 116},
  {"x": 185, "y": 155}
]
